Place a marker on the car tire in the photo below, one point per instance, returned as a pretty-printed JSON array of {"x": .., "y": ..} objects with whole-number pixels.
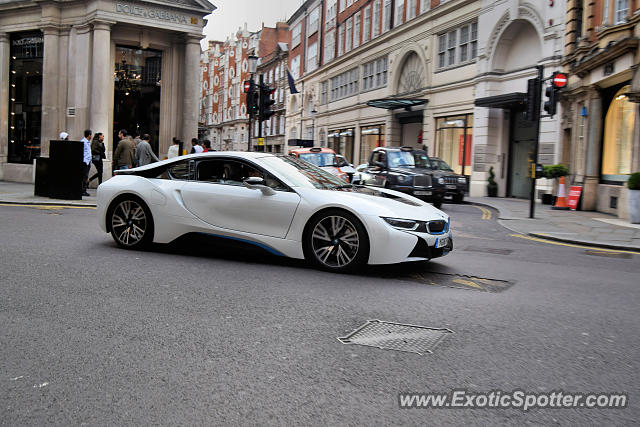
[
  {"x": 458, "y": 198},
  {"x": 130, "y": 222},
  {"x": 326, "y": 247}
]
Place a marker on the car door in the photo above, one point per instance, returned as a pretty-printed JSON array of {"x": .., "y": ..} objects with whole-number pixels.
[
  {"x": 218, "y": 197},
  {"x": 378, "y": 175}
]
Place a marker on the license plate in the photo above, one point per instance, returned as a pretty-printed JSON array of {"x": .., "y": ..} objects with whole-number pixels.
[
  {"x": 451, "y": 186},
  {"x": 422, "y": 193},
  {"x": 441, "y": 242}
]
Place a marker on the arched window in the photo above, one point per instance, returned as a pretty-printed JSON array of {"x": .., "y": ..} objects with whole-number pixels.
[{"x": 618, "y": 137}]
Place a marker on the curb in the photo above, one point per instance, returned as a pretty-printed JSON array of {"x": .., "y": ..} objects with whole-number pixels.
[
  {"x": 585, "y": 242},
  {"x": 49, "y": 203}
]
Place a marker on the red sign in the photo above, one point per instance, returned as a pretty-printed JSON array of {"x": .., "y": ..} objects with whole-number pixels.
[
  {"x": 574, "y": 197},
  {"x": 461, "y": 149},
  {"x": 560, "y": 80},
  {"x": 247, "y": 86}
]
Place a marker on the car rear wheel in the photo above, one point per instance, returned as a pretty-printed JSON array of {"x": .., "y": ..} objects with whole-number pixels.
[
  {"x": 131, "y": 223},
  {"x": 336, "y": 241}
]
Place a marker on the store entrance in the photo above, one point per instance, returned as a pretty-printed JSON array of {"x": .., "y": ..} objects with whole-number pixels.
[
  {"x": 137, "y": 82},
  {"x": 521, "y": 153}
]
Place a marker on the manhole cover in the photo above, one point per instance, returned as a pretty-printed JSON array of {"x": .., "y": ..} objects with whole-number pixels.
[
  {"x": 495, "y": 251},
  {"x": 462, "y": 282},
  {"x": 608, "y": 254},
  {"x": 397, "y": 336}
]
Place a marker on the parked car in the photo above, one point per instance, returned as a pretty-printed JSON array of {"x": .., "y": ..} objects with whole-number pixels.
[
  {"x": 454, "y": 183},
  {"x": 321, "y": 157},
  {"x": 407, "y": 170},
  {"x": 277, "y": 202},
  {"x": 346, "y": 167}
]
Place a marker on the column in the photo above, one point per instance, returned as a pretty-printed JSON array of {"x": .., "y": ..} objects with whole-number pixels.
[
  {"x": 50, "y": 98},
  {"x": 4, "y": 96},
  {"x": 101, "y": 78},
  {"x": 80, "y": 64},
  {"x": 190, "y": 93},
  {"x": 594, "y": 133}
]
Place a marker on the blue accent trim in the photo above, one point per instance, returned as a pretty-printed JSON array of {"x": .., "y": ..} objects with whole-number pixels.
[{"x": 251, "y": 242}]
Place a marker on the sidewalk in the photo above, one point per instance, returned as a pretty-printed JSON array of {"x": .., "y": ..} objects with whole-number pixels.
[
  {"x": 579, "y": 227},
  {"x": 22, "y": 194}
]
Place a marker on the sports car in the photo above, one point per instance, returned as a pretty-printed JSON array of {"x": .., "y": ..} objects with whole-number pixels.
[{"x": 280, "y": 203}]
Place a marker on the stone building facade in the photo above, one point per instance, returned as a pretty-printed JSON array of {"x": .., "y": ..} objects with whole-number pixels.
[
  {"x": 601, "y": 120},
  {"x": 100, "y": 64}
]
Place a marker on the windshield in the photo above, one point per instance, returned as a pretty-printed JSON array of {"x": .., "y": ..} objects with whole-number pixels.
[
  {"x": 440, "y": 165},
  {"x": 421, "y": 159},
  {"x": 302, "y": 174},
  {"x": 400, "y": 159},
  {"x": 319, "y": 159}
]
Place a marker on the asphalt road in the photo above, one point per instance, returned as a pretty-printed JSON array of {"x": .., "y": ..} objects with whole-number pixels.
[{"x": 199, "y": 334}]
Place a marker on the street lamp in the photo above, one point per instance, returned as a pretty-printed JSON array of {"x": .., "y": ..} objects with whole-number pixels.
[
  {"x": 253, "y": 64},
  {"x": 314, "y": 112}
]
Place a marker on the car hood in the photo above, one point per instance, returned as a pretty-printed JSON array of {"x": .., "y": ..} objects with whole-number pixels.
[{"x": 374, "y": 201}]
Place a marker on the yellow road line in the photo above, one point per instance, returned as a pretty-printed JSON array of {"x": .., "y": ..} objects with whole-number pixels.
[
  {"x": 571, "y": 245},
  {"x": 486, "y": 213},
  {"x": 46, "y": 207},
  {"x": 467, "y": 283}
]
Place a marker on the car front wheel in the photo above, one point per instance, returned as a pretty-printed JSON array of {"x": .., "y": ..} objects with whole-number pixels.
[
  {"x": 131, "y": 223},
  {"x": 336, "y": 241}
]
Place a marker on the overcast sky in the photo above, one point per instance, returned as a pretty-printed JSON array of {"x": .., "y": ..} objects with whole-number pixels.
[{"x": 232, "y": 14}]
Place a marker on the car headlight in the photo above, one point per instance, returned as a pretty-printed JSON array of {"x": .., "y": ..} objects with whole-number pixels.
[
  {"x": 402, "y": 224},
  {"x": 405, "y": 179},
  {"x": 441, "y": 180},
  {"x": 462, "y": 180}
]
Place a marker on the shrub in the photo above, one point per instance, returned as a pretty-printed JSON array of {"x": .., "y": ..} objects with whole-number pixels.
[
  {"x": 634, "y": 181},
  {"x": 555, "y": 171}
]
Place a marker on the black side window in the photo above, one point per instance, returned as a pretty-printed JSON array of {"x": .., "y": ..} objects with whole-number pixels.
[{"x": 181, "y": 170}]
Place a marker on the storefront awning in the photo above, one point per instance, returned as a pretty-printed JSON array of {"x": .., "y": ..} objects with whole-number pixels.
[
  {"x": 395, "y": 103},
  {"x": 515, "y": 100}
]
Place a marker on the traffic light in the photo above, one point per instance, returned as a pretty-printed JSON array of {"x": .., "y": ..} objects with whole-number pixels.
[
  {"x": 253, "y": 97},
  {"x": 533, "y": 99},
  {"x": 266, "y": 102},
  {"x": 558, "y": 81}
]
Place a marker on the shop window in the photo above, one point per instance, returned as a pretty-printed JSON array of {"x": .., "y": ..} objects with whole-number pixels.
[
  {"x": 25, "y": 101},
  {"x": 454, "y": 137},
  {"x": 370, "y": 138},
  {"x": 618, "y": 138}
]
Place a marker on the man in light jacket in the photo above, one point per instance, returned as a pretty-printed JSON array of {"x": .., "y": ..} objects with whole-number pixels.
[{"x": 144, "y": 153}]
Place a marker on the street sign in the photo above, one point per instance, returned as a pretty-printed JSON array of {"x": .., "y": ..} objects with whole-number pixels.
[
  {"x": 247, "y": 86},
  {"x": 260, "y": 141},
  {"x": 574, "y": 196},
  {"x": 559, "y": 80}
]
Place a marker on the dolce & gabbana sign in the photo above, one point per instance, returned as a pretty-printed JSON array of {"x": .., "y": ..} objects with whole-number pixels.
[{"x": 151, "y": 13}]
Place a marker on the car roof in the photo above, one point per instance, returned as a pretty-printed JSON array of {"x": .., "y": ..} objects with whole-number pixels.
[{"x": 312, "y": 150}]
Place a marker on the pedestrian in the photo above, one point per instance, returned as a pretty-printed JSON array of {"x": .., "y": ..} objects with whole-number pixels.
[
  {"x": 124, "y": 157},
  {"x": 144, "y": 153},
  {"x": 207, "y": 146},
  {"x": 98, "y": 153},
  {"x": 86, "y": 161},
  {"x": 64, "y": 136},
  {"x": 174, "y": 150},
  {"x": 196, "y": 148}
]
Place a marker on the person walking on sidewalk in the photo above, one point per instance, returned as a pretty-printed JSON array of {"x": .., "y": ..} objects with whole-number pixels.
[
  {"x": 124, "y": 157},
  {"x": 144, "y": 153},
  {"x": 98, "y": 153},
  {"x": 86, "y": 161},
  {"x": 174, "y": 150}
]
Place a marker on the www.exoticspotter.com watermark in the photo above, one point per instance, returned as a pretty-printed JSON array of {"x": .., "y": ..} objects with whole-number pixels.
[{"x": 517, "y": 399}]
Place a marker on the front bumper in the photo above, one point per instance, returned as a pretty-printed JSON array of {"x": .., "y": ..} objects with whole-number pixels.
[
  {"x": 423, "y": 250},
  {"x": 422, "y": 193}
]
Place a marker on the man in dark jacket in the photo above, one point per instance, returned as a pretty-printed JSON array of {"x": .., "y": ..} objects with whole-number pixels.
[{"x": 124, "y": 157}]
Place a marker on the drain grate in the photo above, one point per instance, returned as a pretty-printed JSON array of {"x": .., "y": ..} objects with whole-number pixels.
[
  {"x": 608, "y": 254},
  {"x": 397, "y": 336},
  {"x": 495, "y": 251}
]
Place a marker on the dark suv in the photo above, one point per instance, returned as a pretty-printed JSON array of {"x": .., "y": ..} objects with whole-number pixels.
[
  {"x": 454, "y": 183},
  {"x": 407, "y": 170}
]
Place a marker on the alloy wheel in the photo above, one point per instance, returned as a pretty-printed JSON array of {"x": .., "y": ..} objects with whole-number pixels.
[
  {"x": 129, "y": 223},
  {"x": 335, "y": 241}
]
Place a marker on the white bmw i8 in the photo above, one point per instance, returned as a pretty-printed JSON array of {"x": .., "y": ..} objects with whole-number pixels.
[{"x": 280, "y": 203}]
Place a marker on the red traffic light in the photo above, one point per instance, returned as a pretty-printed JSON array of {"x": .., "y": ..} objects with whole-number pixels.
[
  {"x": 247, "y": 86},
  {"x": 560, "y": 80}
]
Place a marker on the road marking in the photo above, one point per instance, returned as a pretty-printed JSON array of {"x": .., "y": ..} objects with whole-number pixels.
[
  {"x": 571, "y": 245},
  {"x": 486, "y": 213},
  {"x": 46, "y": 207},
  {"x": 467, "y": 283}
]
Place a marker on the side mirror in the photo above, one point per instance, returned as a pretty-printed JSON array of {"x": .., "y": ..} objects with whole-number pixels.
[{"x": 257, "y": 183}]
